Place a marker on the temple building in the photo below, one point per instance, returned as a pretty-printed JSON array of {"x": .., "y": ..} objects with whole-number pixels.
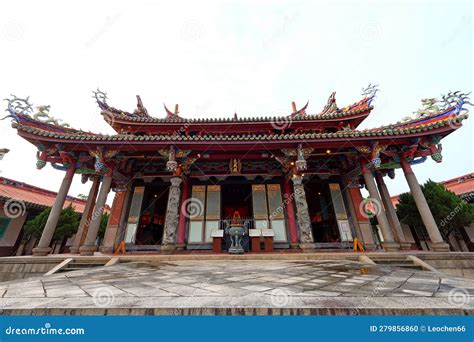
[
  {"x": 20, "y": 202},
  {"x": 292, "y": 181}
]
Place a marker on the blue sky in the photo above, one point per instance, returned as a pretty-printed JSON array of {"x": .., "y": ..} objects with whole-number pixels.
[{"x": 217, "y": 57}]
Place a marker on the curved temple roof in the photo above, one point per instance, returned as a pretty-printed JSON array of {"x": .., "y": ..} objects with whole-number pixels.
[
  {"x": 331, "y": 116},
  {"x": 413, "y": 138}
]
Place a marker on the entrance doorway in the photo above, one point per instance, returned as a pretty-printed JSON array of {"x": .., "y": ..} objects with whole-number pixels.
[
  {"x": 236, "y": 200},
  {"x": 321, "y": 212},
  {"x": 152, "y": 218}
]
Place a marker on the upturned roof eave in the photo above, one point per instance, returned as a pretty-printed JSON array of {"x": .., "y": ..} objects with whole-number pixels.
[{"x": 325, "y": 138}]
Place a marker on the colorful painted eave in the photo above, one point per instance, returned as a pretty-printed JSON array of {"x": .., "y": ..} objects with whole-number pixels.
[
  {"x": 440, "y": 124},
  {"x": 431, "y": 120}
]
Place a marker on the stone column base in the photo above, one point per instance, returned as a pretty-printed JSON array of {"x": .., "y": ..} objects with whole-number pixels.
[
  {"x": 294, "y": 245},
  {"x": 308, "y": 246},
  {"x": 370, "y": 246},
  {"x": 391, "y": 246},
  {"x": 106, "y": 249},
  {"x": 41, "y": 251},
  {"x": 74, "y": 250},
  {"x": 168, "y": 249},
  {"x": 87, "y": 250},
  {"x": 405, "y": 246},
  {"x": 439, "y": 246},
  {"x": 180, "y": 246}
]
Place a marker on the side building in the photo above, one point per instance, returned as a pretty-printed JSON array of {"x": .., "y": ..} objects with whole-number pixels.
[{"x": 19, "y": 202}]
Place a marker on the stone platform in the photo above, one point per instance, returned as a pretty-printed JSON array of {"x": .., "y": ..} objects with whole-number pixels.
[{"x": 239, "y": 287}]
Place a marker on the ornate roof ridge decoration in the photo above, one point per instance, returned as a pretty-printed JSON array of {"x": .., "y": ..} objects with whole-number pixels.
[
  {"x": 451, "y": 106},
  {"x": 300, "y": 112},
  {"x": 370, "y": 92},
  {"x": 330, "y": 111},
  {"x": 331, "y": 106},
  {"x": 21, "y": 111},
  {"x": 101, "y": 99},
  {"x": 452, "y": 112},
  {"x": 377, "y": 132},
  {"x": 173, "y": 116},
  {"x": 141, "y": 111}
]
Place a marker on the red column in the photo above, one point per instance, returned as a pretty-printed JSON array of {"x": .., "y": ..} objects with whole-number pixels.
[
  {"x": 357, "y": 201},
  {"x": 290, "y": 211},
  {"x": 113, "y": 224},
  {"x": 180, "y": 241}
]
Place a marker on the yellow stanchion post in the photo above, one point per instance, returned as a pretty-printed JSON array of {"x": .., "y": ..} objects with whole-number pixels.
[
  {"x": 358, "y": 245},
  {"x": 120, "y": 249}
]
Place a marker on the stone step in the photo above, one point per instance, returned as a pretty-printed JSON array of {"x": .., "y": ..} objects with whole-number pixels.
[{"x": 399, "y": 263}]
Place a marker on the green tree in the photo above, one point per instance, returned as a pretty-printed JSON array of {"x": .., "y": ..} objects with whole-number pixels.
[
  {"x": 34, "y": 227},
  {"x": 103, "y": 224},
  {"x": 449, "y": 211},
  {"x": 67, "y": 224}
]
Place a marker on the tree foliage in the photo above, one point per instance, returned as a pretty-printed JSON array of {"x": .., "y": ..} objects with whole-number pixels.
[
  {"x": 34, "y": 227},
  {"x": 449, "y": 211},
  {"x": 67, "y": 224},
  {"x": 103, "y": 224}
]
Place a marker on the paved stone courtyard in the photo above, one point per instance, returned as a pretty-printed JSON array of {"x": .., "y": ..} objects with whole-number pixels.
[{"x": 240, "y": 287}]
